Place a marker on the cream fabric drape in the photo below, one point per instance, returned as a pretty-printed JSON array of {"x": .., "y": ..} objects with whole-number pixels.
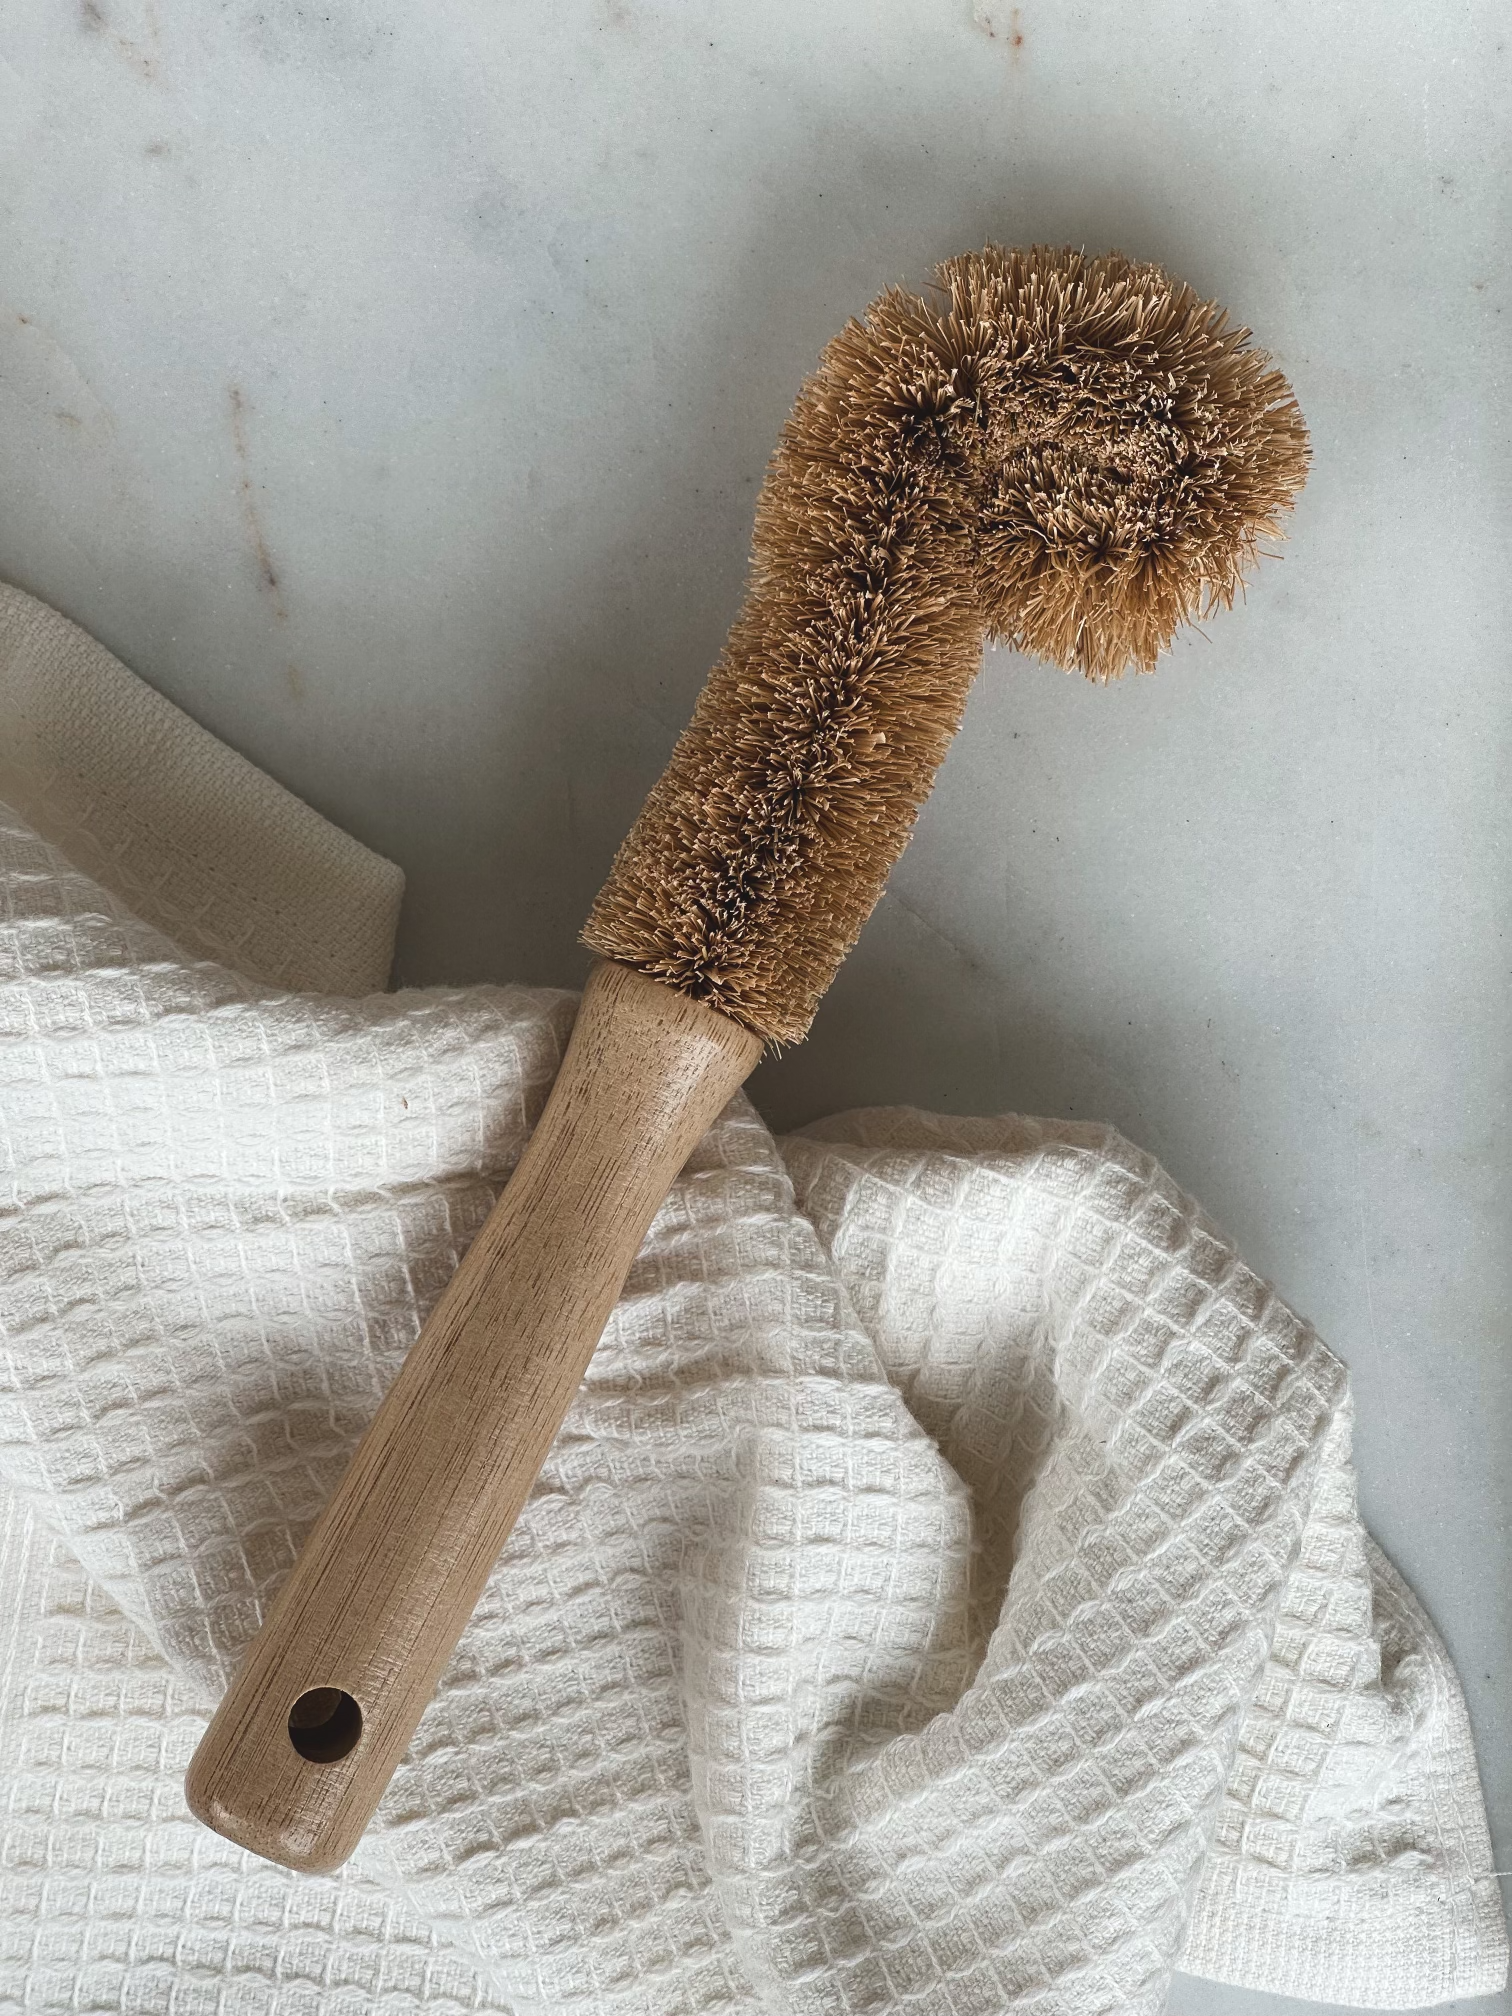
[{"x": 946, "y": 1594}]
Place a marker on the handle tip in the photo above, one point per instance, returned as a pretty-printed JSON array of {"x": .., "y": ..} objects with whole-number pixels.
[
  {"x": 307, "y": 1850},
  {"x": 301, "y": 1807}
]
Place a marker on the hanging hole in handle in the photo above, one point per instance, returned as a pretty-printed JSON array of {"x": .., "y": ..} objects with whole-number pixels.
[{"x": 325, "y": 1724}]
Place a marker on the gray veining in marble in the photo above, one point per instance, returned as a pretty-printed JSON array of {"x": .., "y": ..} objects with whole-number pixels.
[{"x": 391, "y": 385}]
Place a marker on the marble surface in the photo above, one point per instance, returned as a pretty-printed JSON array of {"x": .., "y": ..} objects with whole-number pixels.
[{"x": 391, "y": 386}]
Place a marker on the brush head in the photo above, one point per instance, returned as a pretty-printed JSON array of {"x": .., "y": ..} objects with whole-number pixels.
[{"x": 1071, "y": 455}]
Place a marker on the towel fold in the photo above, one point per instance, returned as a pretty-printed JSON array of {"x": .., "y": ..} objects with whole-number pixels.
[{"x": 946, "y": 1593}]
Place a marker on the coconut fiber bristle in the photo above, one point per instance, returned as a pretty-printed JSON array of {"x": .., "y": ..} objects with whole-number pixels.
[{"x": 1073, "y": 455}]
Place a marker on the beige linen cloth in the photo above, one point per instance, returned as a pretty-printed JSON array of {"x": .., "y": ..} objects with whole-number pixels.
[{"x": 945, "y": 1596}]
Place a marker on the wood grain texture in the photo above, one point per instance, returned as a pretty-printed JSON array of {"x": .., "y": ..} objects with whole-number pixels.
[{"x": 397, "y": 1561}]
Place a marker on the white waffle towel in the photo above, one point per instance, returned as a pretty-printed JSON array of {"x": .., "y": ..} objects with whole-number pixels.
[{"x": 945, "y": 1596}]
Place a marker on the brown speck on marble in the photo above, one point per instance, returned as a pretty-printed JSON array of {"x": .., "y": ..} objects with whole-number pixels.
[
  {"x": 141, "y": 56},
  {"x": 294, "y": 679},
  {"x": 249, "y": 503},
  {"x": 988, "y": 16}
]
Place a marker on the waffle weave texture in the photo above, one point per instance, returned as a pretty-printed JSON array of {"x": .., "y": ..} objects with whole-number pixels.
[{"x": 945, "y": 1595}]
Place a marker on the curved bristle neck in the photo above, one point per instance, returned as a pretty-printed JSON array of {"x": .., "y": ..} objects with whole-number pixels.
[{"x": 1073, "y": 455}]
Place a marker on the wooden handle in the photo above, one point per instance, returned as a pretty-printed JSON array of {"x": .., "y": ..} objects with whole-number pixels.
[{"x": 322, "y": 1710}]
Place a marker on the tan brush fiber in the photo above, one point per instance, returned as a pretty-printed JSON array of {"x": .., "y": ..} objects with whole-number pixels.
[{"x": 1073, "y": 454}]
